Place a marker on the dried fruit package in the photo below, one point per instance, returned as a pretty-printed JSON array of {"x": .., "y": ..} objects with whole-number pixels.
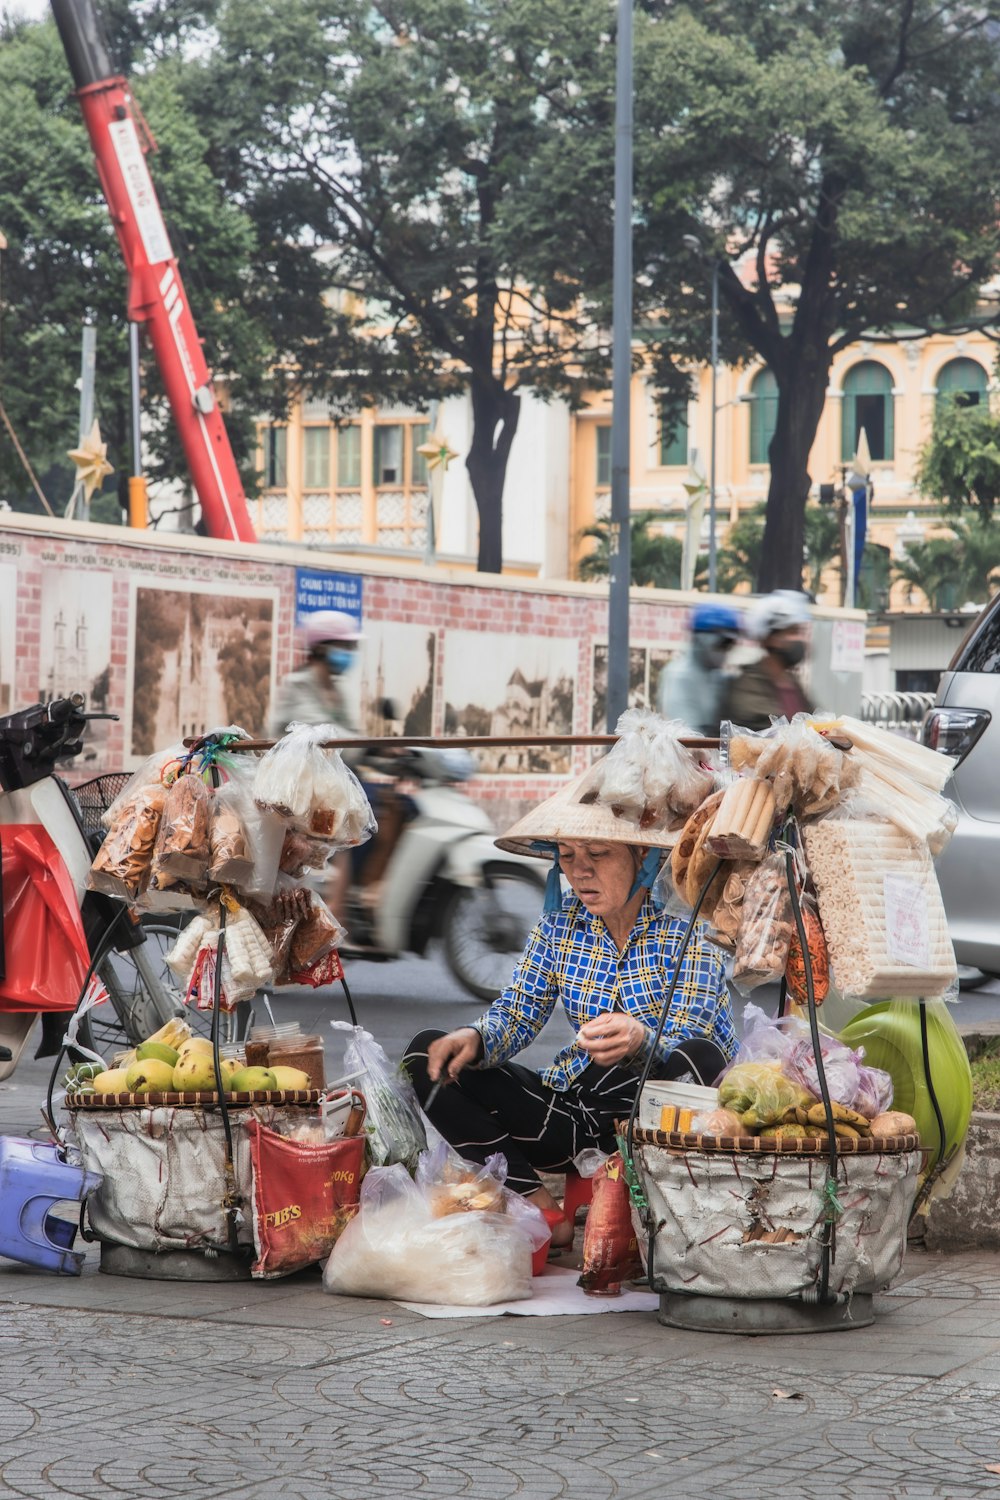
[
  {"x": 766, "y": 927},
  {"x": 182, "y": 850},
  {"x": 819, "y": 957},
  {"x": 122, "y": 864}
]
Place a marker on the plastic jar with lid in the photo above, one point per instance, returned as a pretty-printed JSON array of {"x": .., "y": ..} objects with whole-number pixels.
[
  {"x": 262, "y": 1038},
  {"x": 305, "y": 1052}
]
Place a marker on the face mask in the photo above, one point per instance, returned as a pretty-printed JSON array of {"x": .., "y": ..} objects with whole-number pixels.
[
  {"x": 711, "y": 649},
  {"x": 339, "y": 660},
  {"x": 791, "y": 654}
]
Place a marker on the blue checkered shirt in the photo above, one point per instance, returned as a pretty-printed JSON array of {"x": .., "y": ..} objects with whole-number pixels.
[{"x": 571, "y": 956}]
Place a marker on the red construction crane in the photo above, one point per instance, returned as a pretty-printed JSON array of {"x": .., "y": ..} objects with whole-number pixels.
[{"x": 156, "y": 293}]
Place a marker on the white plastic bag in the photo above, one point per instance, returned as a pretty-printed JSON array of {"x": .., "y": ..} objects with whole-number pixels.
[
  {"x": 395, "y": 1124},
  {"x": 312, "y": 789},
  {"x": 395, "y": 1248}
]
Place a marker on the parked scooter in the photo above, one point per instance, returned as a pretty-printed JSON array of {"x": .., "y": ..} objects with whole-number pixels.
[
  {"x": 56, "y": 830},
  {"x": 445, "y": 878}
]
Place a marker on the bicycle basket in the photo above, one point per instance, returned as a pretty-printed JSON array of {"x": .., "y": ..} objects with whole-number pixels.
[{"x": 95, "y": 797}]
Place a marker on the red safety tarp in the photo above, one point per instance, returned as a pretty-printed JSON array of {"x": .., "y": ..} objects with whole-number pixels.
[{"x": 44, "y": 946}]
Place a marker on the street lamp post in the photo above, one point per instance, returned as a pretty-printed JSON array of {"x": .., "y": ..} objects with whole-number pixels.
[
  {"x": 620, "y": 552},
  {"x": 694, "y": 243}
]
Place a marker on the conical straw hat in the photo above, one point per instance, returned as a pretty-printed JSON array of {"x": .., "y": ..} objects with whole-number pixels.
[{"x": 565, "y": 816}]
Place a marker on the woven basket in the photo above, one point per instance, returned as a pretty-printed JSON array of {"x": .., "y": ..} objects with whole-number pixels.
[
  {"x": 676, "y": 1140},
  {"x": 201, "y": 1097}
]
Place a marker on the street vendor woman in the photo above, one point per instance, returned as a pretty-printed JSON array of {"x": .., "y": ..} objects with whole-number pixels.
[{"x": 607, "y": 951}]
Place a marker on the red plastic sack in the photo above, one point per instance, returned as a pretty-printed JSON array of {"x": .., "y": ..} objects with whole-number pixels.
[
  {"x": 45, "y": 950},
  {"x": 304, "y": 1197},
  {"x": 610, "y": 1248}
]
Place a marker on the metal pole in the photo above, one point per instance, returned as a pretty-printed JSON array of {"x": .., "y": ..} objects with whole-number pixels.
[
  {"x": 430, "y": 546},
  {"x": 712, "y": 543},
  {"x": 138, "y": 509},
  {"x": 620, "y": 559},
  {"x": 88, "y": 366}
]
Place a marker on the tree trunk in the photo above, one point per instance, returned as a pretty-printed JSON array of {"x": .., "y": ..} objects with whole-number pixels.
[
  {"x": 801, "y": 398},
  {"x": 495, "y": 414}
]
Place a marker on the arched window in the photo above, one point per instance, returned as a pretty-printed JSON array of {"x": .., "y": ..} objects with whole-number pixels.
[
  {"x": 868, "y": 404},
  {"x": 763, "y": 415},
  {"x": 965, "y": 379}
]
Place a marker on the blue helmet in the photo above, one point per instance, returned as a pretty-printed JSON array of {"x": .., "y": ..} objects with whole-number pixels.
[{"x": 717, "y": 617}]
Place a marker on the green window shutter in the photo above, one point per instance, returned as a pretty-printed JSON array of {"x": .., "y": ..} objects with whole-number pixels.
[
  {"x": 763, "y": 415},
  {"x": 674, "y": 442},
  {"x": 349, "y": 457},
  {"x": 964, "y": 378},
  {"x": 418, "y": 463},
  {"x": 603, "y": 479},
  {"x": 276, "y": 457},
  {"x": 316, "y": 458},
  {"x": 868, "y": 402}
]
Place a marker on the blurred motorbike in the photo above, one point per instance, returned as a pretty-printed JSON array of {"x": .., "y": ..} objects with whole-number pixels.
[{"x": 444, "y": 877}]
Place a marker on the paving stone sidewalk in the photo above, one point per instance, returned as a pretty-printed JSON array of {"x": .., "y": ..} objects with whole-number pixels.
[{"x": 138, "y": 1390}]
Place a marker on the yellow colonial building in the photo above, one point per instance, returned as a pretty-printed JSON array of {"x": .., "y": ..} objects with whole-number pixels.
[{"x": 362, "y": 486}]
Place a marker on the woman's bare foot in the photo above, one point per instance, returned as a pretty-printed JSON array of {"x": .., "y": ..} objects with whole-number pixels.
[{"x": 562, "y": 1229}]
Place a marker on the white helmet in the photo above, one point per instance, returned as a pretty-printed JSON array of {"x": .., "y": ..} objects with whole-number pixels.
[
  {"x": 783, "y": 610},
  {"x": 328, "y": 625}
]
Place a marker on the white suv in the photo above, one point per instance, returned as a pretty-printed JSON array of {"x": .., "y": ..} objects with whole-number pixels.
[{"x": 960, "y": 725}]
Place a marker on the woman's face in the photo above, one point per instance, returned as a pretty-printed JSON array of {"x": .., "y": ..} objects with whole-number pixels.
[{"x": 600, "y": 874}]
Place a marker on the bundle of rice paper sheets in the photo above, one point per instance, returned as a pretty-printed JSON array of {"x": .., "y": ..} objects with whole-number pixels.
[{"x": 881, "y": 910}]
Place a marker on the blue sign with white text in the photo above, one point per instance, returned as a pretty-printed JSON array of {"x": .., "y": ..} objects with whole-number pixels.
[{"x": 315, "y": 590}]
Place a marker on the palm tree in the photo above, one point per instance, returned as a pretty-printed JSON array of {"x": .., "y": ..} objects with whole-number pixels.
[
  {"x": 953, "y": 569},
  {"x": 822, "y": 544},
  {"x": 656, "y": 559},
  {"x": 933, "y": 568}
]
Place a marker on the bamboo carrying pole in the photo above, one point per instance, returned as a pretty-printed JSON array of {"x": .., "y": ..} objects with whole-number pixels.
[{"x": 462, "y": 742}]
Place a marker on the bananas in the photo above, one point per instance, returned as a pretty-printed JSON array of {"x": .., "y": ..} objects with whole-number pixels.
[{"x": 173, "y": 1034}]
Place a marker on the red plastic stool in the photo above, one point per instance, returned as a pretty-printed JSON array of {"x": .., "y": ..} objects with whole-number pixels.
[{"x": 577, "y": 1194}]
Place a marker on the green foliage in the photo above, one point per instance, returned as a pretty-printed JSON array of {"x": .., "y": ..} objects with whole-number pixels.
[
  {"x": 738, "y": 561},
  {"x": 953, "y": 570},
  {"x": 63, "y": 266},
  {"x": 655, "y": 558},
  {"x": 740, "y": 555},
  {"x": 445, "y": 151},
  {"x": 959, "y": 465},
  {"x": 822, "y": 538},
  {"x": 846, "y": 149}
]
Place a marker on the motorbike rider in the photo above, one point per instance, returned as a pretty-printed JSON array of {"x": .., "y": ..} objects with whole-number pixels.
[
  {"x": 769, "y": 686},
  {"x": 693, "y": 683},
  {"x": 313, "y": 693}
]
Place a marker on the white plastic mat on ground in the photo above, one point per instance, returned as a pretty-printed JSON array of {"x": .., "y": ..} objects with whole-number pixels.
[{"x": 553, "y": 1294}]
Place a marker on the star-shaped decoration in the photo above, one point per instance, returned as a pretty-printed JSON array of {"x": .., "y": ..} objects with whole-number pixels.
[
  {"x": 91, "y": 461},
  {"x": 437, "y": 451}
]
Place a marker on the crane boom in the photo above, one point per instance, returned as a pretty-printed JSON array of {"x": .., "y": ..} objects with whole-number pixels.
[{"x": 156, "y": 293}]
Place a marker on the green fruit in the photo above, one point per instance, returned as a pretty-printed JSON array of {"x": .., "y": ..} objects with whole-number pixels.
[
  {"x": 151, "y": 1076},
  {"x": 249, "y": 1080},
  {"x": 159, "y": 1050}
]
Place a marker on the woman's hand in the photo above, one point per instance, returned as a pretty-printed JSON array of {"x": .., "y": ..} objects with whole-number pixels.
[
  {"x": 611, "y": 1038},
  {"x": 450, "y": 1054}
]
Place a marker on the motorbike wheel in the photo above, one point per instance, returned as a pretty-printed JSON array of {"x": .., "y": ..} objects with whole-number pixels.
[
  {"x": 142, "y": 996},
  {"x": 485, "y": 929}
]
